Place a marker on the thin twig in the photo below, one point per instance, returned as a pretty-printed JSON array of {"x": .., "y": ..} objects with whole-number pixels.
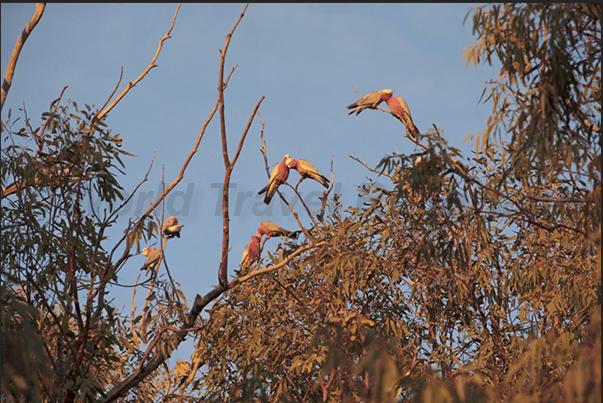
[
  {"x": 325, "y": 195},
  {"x": 266, "y": 166},
  {"x": 371, "y": 169},
  {"x": 121, "y": 74}
]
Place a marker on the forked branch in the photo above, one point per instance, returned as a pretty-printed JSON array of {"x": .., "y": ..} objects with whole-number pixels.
[{"x": 151, "y": 65}]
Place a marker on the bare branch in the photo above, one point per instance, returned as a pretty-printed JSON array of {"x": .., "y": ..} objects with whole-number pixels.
[
  {"x": 176, "y": 180},
  {"x": 325, "y": 196},
  {"x": 151, "y": 65},
  {"x": 141, "y": 373},
  {"x": 12, "y": 63},
  {"x": 371, "y": 169},
  {"x": 255, "y": 110},
  {"x": 121, "y": 74},
  {"x": 222, "y": 86},
  {"x": 223, "y": 269},
  {"x": 303, "y": 204},
  {"x": 263, "y": 151}
]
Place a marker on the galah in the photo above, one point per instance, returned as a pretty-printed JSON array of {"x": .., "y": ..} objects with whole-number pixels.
[
  {"x": 398, "y": 106},
  {"x": 307, "y": 170},
  {"x": 171, "y": 228},
  {"x": 371, "y": 100},
  {"x": 251, "y": 253},
  {"x": 279, "y": 175},
  {"x": 271, "y": 229},
  {"x": 153, "y": 255}
]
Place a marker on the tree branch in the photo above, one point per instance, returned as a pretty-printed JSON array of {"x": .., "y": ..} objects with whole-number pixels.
[
  {"x": 277, "y": 266},
  {"x": 371, "y": 169},
  {"x": 151, "y": 65},
  {"x": 12, "y": 63},
  {"x": 228, "y": 165}
]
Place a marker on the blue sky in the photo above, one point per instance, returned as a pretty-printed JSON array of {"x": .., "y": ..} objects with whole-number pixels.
[{"x": 303, "y": 58}]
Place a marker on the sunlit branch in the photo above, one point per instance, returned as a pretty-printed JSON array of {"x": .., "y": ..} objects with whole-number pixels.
[
  {"x": 121, "y": 74},
  {"x": 12, "y": 63},
  {"x": 277, "y": 266}
]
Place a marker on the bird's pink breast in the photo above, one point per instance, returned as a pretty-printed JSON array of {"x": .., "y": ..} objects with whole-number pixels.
[
  {"x": 283, "y": 172},
  {"x": 395, "y": 106}
]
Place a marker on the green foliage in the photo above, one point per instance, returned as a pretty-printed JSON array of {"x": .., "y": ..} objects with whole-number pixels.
[{"x": 61, "y": 340}]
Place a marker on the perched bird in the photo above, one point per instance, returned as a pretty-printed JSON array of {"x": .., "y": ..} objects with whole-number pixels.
[
  {"x": 251, "y": 253},
  {"x": 279, "y": 175},
  {"x": 371, "y": 100},
  {"x": 307, "y": 170},
  {"x": 171, "y": 228},
  {"x": 153, "y": 255},
  {"x": 271, "y": 229},
  {"x": 398, "y": 106}
]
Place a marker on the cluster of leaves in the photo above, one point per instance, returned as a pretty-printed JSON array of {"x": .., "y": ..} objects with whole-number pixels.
[
  {"x": 60, "y": 338},
  {"x": 51, "y": 245}
]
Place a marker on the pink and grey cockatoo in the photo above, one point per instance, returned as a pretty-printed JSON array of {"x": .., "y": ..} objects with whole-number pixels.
[
  {"x": 271, "y": 229},
  {"x": 371, "y": 100},
  {"x": 171, "y": 228},
  {"x": 251, "y": 253},
  {"x": 279, "y": 175},
  {"x": 153, "y": 255},
  {"x": 398, "y": 106},
  {"x": 307, "y": 170}
]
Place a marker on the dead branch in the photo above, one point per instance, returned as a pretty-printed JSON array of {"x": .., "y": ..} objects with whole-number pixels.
[
  {"x": 151, "y": 65},
  {"x": 325, "y": 196},
  {"x": 12, "y": 63},
  {"x": 121, "y": 74},
  {"x": 200, "y": 302},
  {"x": 228, "y": 165}
]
